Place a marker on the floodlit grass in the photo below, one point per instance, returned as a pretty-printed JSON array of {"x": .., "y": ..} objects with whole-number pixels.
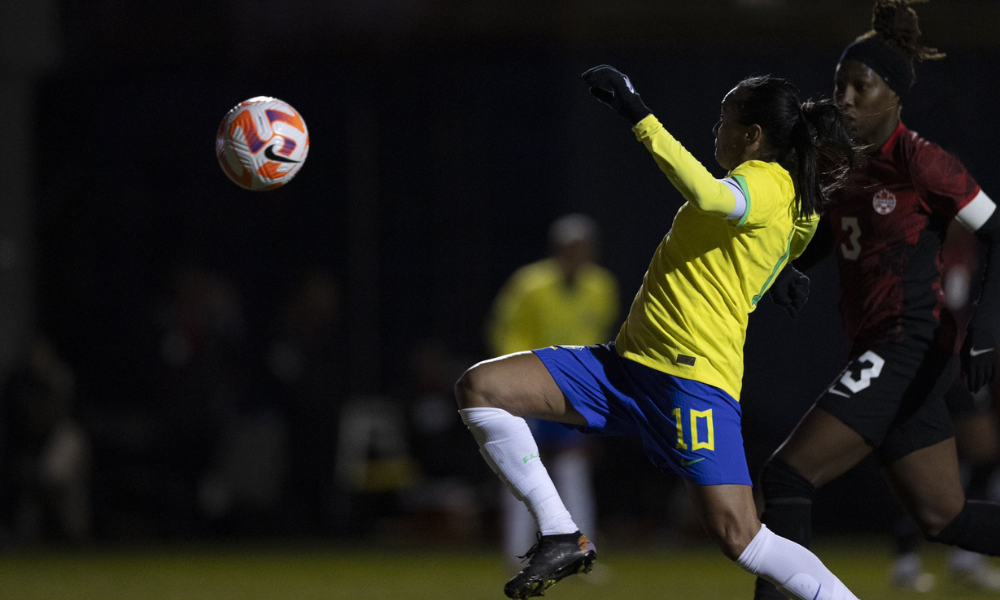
[{"x": 283, "y": 574}]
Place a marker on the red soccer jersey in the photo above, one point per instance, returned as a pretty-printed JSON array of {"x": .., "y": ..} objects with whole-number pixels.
[{"x": 889, "y": 224}]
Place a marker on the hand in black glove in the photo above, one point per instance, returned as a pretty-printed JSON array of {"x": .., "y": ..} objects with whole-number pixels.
[
  {"x": 979, "y": 358},
  {"x": 614, "y": 89},
  {"x": 790, "y": 290}
]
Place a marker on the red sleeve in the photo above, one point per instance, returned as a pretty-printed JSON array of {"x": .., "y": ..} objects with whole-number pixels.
[{"x": 941, "y": 179}]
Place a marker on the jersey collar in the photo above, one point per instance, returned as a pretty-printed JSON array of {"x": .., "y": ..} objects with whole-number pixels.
[{"x": 892, "y": 138}]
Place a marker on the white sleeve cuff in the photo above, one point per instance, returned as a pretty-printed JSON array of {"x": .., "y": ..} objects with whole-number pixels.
[
  {"x": 741, "y": 199},
  {"x": 977, "y": 211}
]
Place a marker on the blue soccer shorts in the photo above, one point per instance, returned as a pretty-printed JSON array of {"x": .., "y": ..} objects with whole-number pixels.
[{"x": 688, "y": 427}]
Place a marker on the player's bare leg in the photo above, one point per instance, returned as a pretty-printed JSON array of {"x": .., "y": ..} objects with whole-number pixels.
[
  {"x": 928, "y": 484},
  {"x": 820, "y": 449},
  {"x": 493, "y": 397},
  {"x": 978, "y": 444},
  {"x": 729, "y": 516}
]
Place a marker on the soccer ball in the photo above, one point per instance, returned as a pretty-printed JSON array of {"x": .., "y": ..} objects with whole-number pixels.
[{"x": 262, "y": 143}]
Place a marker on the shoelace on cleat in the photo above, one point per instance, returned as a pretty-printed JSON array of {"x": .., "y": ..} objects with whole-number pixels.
[{"x": 534, "y": 549}]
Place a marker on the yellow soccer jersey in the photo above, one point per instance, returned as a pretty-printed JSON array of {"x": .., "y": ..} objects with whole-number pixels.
[
  {"x": 690, "y": 316},
  {"x": 536, "y": 309}
]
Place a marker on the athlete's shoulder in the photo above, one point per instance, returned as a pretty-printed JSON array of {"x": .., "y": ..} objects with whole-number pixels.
[
  {"x": 760, "y": 168},
  {"x": 768, "y": 187},
  {"x": 534, "y": 275},
  {"x": 758, "y": 173},
  {"x": 919, "y": 153},
  {"x": 936, "y": 171},
  {"x": 597, "y": 275}
]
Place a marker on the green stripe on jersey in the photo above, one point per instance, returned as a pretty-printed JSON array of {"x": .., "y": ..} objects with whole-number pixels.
[
  {"x": 777, "y": 267},
  {"x": 741, "y": 180}
]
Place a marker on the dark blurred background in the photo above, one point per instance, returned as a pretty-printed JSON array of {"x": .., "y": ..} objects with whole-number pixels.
[{"x": 214, "y": 362}]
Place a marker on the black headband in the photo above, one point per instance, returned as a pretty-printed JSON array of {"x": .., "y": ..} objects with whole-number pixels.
[{"x": 891, "y": 65}]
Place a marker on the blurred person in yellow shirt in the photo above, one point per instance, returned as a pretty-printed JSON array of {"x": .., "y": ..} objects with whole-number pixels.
[{"x": 563, "y": 299}]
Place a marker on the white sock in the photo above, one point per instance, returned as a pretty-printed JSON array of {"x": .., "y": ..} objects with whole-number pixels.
[
  {"x": 793, "y": 569},
  {"x": 510, "y": 450}
]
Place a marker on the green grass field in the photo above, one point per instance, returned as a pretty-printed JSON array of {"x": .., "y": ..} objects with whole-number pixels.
[{"x": 260, "y": 573}]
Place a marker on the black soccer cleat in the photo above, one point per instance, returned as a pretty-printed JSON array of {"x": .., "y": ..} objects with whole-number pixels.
[{"x": 552, "y": 559}]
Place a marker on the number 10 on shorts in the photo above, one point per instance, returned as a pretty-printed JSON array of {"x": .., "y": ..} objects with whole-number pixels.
[{"x": 700, "y": 438}]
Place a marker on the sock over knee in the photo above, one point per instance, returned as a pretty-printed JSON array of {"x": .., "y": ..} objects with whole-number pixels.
[
  {"x": 510, "y": 450},
  {"x": 976, "y": 528},
  {"x": 795, "y": 571},
  {"x": 788, "y": 498}
]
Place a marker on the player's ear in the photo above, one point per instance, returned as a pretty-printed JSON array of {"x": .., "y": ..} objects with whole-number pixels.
[{"x": 753, "y": 138}]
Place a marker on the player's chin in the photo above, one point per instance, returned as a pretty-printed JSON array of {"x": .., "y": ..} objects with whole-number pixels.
[
  {"x": 721, "y": 160},
  {"x": 851, "y": 123}
]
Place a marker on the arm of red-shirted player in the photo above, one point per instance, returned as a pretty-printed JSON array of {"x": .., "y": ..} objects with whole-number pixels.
[
  {"x": 979, "y": 352},
  {"x": 946, "y": 187}
]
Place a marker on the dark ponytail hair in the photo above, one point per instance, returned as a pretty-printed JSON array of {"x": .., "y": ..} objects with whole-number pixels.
[{"x": 808, "y": 137}]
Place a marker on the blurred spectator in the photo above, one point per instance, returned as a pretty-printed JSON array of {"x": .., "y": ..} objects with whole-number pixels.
[
  {"x": 446, "y": 503},
  {"x": 306, "y": 359},
  {"x": 201, "y": 376},
  {"x": 44, "y": 452},
  {"x": 563, "y": 299}
]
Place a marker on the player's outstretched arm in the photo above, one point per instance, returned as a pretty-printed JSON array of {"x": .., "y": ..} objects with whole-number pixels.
[{"x": 688, "y": 175}]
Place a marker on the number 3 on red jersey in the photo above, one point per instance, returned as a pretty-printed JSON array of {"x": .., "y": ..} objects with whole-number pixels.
[{"x": 852, "y": 251}]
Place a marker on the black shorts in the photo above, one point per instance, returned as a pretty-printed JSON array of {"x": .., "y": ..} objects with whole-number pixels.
[{"x": 893, "y": 396}]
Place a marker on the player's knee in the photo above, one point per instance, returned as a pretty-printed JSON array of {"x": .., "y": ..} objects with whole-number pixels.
[
  {"x": 475, "y": 390},
  {"x": 468, "y": 392},
  {"x": 934, "y": 520},
  {"x": 731, "y": 533}
]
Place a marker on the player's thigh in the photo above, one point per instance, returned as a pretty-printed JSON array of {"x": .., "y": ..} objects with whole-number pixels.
[
  {"x": 728, "y": 514},
  {"x": 977, "y": 438},
  {"x": 858, "y": 411},
  {"x": 518, "y": 383},
  {"x": 975, "y": 423},
  {"x": 928, "y": 484},
  {"x": 821, "y": 448}
]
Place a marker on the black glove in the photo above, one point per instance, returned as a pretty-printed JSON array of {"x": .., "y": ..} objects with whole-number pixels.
[
  {"x": 790, "y": 290},
  {"x": 979, "y": 358},
  {"x": 614, "y": 89}
]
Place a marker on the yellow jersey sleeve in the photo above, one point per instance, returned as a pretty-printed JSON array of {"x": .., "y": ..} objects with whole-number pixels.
[
  {"x": 689, "y": 176},
  {"x": 804, "y": 231},
  {"x": 764, "y": 191}
]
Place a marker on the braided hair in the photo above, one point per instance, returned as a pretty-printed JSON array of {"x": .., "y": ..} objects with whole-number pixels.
[{"x": 897, "y": 24}]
